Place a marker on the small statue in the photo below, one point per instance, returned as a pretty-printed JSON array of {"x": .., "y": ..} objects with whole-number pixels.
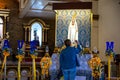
[
  {"x": 73, "y": 29},
  {"x": 95, "y": 51},
  {"x": 7, "y": 35}
]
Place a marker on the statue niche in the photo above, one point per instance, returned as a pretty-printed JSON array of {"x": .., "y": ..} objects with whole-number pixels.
[{"x": 36, "y": 30}]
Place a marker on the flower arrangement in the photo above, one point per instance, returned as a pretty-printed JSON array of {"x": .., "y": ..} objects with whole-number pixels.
[
  {"x": 95, "y": 64},
  {"x": 85, "y": 50},
  {"x": 20, "y": 51},
  {"x": 110, "y": 53}
]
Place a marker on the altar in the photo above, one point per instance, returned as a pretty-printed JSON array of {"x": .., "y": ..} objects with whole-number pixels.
[
  {"x": 74, "y": 23},
  {"x": 83, "y": 71}
]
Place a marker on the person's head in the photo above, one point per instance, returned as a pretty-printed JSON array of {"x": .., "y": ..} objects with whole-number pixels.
[{"x": 67, "y": 42}]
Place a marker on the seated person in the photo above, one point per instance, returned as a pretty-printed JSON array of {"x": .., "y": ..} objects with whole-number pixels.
[{"x": 54, "y": 68}]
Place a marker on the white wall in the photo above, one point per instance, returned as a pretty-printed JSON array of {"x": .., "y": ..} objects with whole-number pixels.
[
  {"x": 109, "y": 25},
  {"x": 94, "y": 27}
]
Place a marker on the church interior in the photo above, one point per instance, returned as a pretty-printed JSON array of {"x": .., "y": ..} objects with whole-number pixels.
[{"x": 31, "y": 31}]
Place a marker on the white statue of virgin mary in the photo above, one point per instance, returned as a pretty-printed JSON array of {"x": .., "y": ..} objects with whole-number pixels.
[{"x": 73, "y": 30}]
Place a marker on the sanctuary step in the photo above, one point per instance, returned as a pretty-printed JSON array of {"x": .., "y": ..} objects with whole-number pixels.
[
  {"x": 113, "y": 78},
  {"x": 29, "y": 59}
]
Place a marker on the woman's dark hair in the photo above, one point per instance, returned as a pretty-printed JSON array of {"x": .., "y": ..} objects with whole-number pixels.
[{"x": 67, "y": 42}]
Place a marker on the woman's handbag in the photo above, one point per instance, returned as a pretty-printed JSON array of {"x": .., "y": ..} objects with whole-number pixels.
[{"x": 77, "y": 60}]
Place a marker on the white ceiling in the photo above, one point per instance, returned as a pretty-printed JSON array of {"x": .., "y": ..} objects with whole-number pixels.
[{"x": 40, "y": 8}]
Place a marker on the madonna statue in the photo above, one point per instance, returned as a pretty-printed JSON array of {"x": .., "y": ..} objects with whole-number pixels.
[{"x": 73, "y": 30}]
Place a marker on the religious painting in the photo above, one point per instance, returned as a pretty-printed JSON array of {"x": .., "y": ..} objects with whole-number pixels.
[{"x": 73, "y": 25}]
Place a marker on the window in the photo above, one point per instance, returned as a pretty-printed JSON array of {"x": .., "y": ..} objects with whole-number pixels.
[
  {"x": 36, "y": 32},
  {"x": 1, "y": 27}
]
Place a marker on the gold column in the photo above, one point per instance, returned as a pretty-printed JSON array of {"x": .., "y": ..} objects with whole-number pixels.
[
  {"x": 19, "y": 66},
  {"x": 46, "y": 34},
  {"x": 34, "y": 66},
  {"x": 56, "y": 18},
  {"x": 109, "y": 67},
  {"x": 43, "y": 35},
  {"x": 29, "y": 36},
  {"x": 34, "y": 69},
  {"x": 19, "y": 57},
  {"x": 4, "y": 13},
  {"x": 25, "y": 33},
  {"x": 4, "y": 26}
]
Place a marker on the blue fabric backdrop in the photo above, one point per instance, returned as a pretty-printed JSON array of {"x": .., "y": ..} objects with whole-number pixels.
[{"x": 83, "y": 19}]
